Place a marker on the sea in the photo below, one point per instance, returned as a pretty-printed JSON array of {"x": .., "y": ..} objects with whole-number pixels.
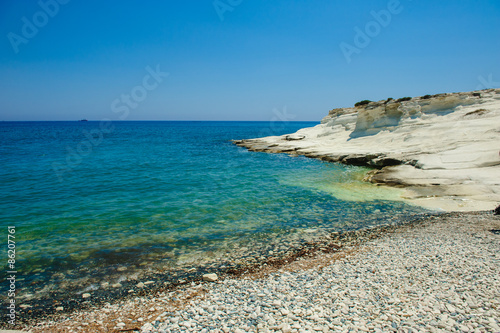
[{"x": 98, "y": 206}]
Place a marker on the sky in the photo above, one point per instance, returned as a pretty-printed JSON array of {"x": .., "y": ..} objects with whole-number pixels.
[{"x": 290, "y": 60}]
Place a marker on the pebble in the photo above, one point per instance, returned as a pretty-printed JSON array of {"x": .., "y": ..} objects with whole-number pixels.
[
  {"x": 212, "y": 277},
  {"x": 407, "y": 281},
  {"x": 86, "y": 295}
]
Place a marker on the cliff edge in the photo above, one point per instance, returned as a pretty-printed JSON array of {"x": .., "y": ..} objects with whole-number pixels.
[{"x": 443, "y": 149}]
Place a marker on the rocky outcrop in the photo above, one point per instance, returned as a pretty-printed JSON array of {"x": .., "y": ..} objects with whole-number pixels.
[
  {"x": 444, "y": 149},
  {"x": 374, "y": 117}
]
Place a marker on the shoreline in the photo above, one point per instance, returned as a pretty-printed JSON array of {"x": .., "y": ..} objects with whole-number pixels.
[
  {"x": 322, "y": 241},
  {"x": 124, "y": 282},
  {"x": 153, "y": 308}
]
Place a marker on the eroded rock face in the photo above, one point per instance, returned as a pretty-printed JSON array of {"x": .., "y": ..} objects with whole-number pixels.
[
  {"x": 446, "y": 102},
  {"x": 386, "y": 115},
  {"x": 374, "y": 117}
]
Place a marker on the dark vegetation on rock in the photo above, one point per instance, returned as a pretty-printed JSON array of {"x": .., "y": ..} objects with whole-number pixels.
[
  {"x": 364, "y": 102},
  {"x": 403, "y": 99}
]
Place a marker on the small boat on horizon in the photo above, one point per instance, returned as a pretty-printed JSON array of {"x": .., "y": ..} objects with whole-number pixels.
[{"x": 83, "y": 120}]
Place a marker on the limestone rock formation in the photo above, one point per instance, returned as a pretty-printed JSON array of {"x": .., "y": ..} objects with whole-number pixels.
[{"x": 444, "y": 149}]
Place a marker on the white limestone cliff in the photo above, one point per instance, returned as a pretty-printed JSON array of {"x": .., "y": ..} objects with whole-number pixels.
[{"x": 443, "y": 149}]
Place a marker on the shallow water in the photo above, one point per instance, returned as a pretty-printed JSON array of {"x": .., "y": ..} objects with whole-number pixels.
[{"x": 164, "y": 194}]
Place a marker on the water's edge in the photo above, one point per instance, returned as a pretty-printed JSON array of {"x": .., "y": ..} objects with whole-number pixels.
[{"x": 45, "y": 309}]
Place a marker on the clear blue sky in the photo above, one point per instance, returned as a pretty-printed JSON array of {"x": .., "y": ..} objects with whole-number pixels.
[{"x": 263, "y": 55}]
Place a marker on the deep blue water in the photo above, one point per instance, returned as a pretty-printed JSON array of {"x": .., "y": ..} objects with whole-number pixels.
[{"x": 83, "y": 196}]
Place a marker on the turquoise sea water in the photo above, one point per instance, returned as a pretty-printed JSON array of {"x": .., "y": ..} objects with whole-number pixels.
[{"x": 86, "y": 201}]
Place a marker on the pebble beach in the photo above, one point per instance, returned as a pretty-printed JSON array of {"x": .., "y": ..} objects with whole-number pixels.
[{"x": 439, "y": 274}]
